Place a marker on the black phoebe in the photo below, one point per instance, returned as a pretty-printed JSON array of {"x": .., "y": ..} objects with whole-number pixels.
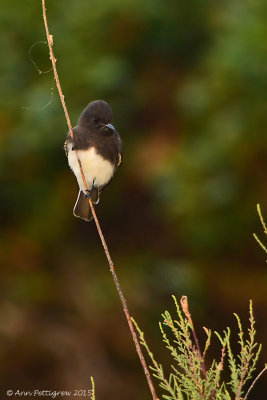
[{"x": 98, "y": 146}]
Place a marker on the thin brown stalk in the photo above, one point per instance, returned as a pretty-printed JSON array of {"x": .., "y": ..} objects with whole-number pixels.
[
  {"x": 111, "y": 265},
  {"x": 185, "y": 308},
  {"x": 189, "y": 355},
  {"x": 244, "y": 369},
  {"x": 244, "y": 372},
  {"x": 255, "y": 380}
]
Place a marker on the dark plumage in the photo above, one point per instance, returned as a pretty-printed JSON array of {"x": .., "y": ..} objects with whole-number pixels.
[{"x": 98, "y": 146}]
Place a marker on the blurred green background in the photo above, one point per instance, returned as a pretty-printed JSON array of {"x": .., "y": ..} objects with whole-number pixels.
[{"x": 187, "y": 81}]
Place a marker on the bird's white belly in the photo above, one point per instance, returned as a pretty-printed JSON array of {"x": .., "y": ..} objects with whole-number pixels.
[{"x": 95, "y": 168}]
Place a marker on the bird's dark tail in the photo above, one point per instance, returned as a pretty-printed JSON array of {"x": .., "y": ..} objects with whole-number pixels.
[{"x": 82, "y": 208}]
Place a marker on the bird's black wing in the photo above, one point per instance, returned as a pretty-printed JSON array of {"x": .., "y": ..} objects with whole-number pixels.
[
  {"x": 119, "y": 159},
  {"x": 119, "y": 144}
]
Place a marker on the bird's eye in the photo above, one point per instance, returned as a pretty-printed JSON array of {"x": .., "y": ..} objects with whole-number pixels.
[{"x": 97, "y": 120}]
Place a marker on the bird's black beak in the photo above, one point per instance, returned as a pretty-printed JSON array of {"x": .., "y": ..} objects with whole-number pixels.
[
  {"x": 107, "y": 129},
  {"x": 110, "y": 126}
]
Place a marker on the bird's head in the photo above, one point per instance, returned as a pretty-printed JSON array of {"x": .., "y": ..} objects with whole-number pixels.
[{"x": 97, "y": 117}]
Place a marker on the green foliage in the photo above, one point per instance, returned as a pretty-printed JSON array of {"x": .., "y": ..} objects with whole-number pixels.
[
  {"x": 189, "y": 378},
  {"x": 264, "y": 229},
  {"x": 93, "y": 388}
]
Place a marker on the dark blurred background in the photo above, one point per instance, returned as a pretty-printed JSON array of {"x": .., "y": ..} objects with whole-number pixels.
[{"x": 187, "y": 81}]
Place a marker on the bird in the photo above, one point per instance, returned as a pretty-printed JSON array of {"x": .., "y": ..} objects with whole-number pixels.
[{"x": 98, "y": 146}]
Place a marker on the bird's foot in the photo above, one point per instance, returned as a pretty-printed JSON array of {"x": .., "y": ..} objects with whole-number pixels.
[{"x": 88, "y": 193}]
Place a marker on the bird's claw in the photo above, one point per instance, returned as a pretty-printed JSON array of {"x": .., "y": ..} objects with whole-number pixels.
[{"x": 88, "y": 193}]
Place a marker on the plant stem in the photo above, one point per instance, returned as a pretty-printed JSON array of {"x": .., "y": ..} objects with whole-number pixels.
[
  {"x": 111, "y": 265},
  {"x": 185, "y": 308},
  {"x": 255, "y": 380}
]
